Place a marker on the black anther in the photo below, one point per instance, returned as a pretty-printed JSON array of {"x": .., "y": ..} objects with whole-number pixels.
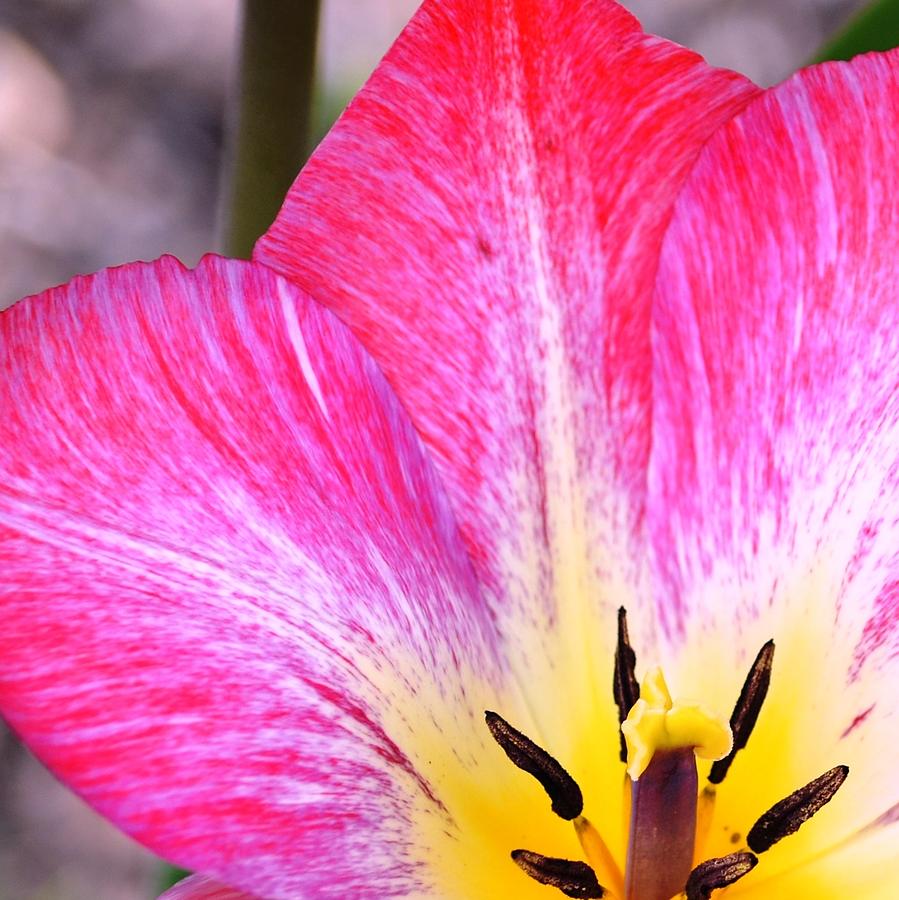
[
  {"x": 747, "y": 709},
  {"x": 572, "y": 878},
  {"x": 563, "y": 790},
  {"x": 718, "y": 873},
  {"x": 625, "y": 687},
  {"x": 785, "y": 817}
]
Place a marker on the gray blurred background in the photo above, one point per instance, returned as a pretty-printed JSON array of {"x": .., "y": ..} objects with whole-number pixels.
[{"x": 111, "y": 127}]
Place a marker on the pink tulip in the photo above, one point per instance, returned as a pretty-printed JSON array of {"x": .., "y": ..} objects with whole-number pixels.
[{"x": 557, "y": 320}]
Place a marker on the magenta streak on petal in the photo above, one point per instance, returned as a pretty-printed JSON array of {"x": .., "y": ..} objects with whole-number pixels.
[
  {"x": 890, "y": 817},
  {"x": 540, "y": 481},
  {"x": 858, "y": 720},
  {"x": 880, "y": 629},
  {"x": 384, "y": 746}
]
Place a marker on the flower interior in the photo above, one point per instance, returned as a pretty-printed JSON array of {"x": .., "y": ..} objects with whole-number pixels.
[{"x": 669, "y": 850}]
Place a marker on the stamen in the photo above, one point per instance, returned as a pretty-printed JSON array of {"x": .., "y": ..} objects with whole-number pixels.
[
  {"x": 625, "y": 686},
  {"x": 705, "y": 813},
  {"x": 563, "y": 790},
  {"x": 747, "y": 709},
  {"x": 599, "y": 856},
  {"x": 784, "y": 818},
  {"x": 718, "y": 873},
  {"x": 572, "y": 878}
]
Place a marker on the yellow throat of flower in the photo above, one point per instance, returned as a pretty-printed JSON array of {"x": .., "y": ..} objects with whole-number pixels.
[{"x": 675, "y": 843}]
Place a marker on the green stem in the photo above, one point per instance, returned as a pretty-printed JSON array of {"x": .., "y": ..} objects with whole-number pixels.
[
  {"x": 268, "y": 137},
  {"x": 168, "y": 877},
  {"x": 876, "y": 27}
]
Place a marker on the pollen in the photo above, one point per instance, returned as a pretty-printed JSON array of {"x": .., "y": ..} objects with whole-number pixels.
[{"x": 655, "y": 723}]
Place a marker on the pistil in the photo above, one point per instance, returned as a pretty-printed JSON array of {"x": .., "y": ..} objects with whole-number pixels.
[
  {"x": 663, "y": 739},
  {"x": 662, "y": 826}
]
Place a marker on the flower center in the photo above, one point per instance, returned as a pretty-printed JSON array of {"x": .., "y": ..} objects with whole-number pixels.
[{"x": 668, "y": 814}]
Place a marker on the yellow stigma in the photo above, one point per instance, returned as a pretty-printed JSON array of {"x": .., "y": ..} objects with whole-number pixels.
[{"x": 655, "y": 722}]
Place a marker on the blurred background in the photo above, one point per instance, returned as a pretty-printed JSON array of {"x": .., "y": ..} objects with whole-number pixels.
[{"x": 111, "y": 130}]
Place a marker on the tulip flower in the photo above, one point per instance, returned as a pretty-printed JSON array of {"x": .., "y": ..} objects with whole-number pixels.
[{"x": 519, "y": 522}]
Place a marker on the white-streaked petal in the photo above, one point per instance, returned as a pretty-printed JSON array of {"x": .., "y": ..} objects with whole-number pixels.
[
  {"x": 237, "y": 618},
  {"x": 774, "y": 481}
]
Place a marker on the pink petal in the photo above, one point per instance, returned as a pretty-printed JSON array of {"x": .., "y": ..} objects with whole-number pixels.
[
  {"x": 487, "y": 217},
  {"x": 774, "y": 483},
  {"x": 232, "y": 593},
  {"x": 199, "y": 888}
]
